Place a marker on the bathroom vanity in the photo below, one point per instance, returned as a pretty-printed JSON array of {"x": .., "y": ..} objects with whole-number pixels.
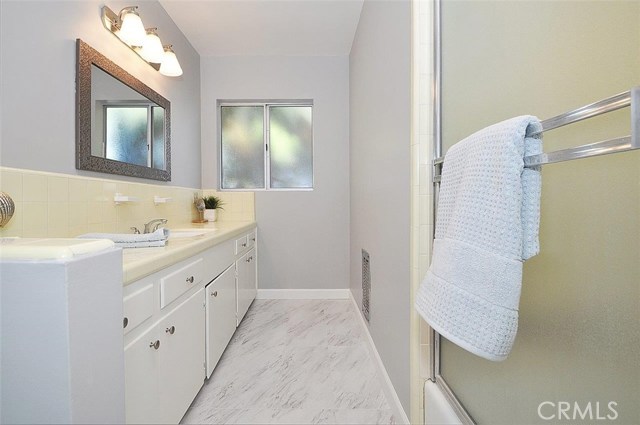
[
  {"x": 182, "y": 305},
  {"x": 96, "y": 334}
]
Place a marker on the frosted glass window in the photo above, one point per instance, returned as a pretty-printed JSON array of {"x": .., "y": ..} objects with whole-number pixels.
[
  {"x": 279, "y": 158},
  {"x": 157, "y": 138},
  {"x": 290, "y": 143},
  {"x": 126, "y": 134},
  {"x": 242, "y": 147}
]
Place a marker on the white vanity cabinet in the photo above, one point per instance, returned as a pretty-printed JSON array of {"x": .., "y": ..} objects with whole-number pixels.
[
  {"x": 164, "y": 365},
  {"x": 221, "y": 316},
  {"x": 229, "y": 297},
  {"x": 177, "y": 323},
  {"x": 182, "y": 357},
  {"x": 142, "y": 365},
  {"x": 247, "y": 271}
]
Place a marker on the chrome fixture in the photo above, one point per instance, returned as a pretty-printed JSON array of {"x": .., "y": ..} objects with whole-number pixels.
[
  {"x": 629, "y": 98},
  {"x": 128, "y": 27},
  {"x": 154, "y": 224}
]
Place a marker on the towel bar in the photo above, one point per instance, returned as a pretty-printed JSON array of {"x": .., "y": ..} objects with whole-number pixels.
[{"x": 621, "y": 144}]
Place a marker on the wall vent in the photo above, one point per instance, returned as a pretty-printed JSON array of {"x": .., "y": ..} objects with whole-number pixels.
[{"x": 366, "y": 284}]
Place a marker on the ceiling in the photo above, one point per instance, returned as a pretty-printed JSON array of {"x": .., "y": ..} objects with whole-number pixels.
[{"x": 267, "y": 27}]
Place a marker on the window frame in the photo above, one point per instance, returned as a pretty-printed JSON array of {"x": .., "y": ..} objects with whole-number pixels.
[
  {"x": 149, "y": 106},
  {"x": 266, "y": 137}
]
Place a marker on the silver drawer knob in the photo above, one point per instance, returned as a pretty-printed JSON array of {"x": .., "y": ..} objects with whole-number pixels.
[
  {"x": 170, "y": 330},
  {"x": 155, "y": 344},
  {"x": 214, "y": 294},
  {"x": 190, "y": 279}
]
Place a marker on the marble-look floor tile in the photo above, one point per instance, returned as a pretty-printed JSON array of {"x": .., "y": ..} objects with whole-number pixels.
[{"x": 294, "y": 361}]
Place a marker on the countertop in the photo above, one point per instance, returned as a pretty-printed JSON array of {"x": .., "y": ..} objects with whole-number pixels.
[
  {"x": 140, "y": 262},
  {"x": 41, "y": 249}
]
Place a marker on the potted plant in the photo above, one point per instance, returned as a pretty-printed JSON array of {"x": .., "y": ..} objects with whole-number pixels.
[{"x": 212, "y": 204}]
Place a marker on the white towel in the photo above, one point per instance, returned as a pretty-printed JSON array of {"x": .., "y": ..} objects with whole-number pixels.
[
  {"x": 487, "y": 225},
  {"x": 147, "y": 244},
  {"x": 128, "y": 238}
]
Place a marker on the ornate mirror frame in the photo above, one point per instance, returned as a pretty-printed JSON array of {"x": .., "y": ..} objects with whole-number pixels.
[{"x": 86, "y": 57}]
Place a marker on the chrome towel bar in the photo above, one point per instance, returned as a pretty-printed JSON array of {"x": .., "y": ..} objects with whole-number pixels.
[{"x": 621, "y": 144}]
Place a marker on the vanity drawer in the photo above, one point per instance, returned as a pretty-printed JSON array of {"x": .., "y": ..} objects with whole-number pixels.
[
  {"x": 180, "y": 281},
  {"x": 138, "y": 307},
  {"x": 251, "y": 239},
  {"x": 241, "y": 244},
  {"x": 218, "y": 259}
]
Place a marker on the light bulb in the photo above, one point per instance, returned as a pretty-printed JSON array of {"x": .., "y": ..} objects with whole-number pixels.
[
  {"x": 152, "y": 50},
  {"x": 132, "y": 31},
  {"x": 170, "y": 66}
]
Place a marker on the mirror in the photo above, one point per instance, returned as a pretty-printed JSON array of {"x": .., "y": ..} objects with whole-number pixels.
[{"x": 122, "y": 125}]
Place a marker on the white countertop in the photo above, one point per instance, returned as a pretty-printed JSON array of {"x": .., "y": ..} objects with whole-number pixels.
[
  {"x": 140, "y": 262},
  {"x": 49, "y": 248}
]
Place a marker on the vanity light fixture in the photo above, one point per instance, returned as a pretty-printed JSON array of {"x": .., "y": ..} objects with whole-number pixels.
[
  {"x": 170, "y": 66},
  {"x": 131, "y": 29},
  {"x": 128, "y": 27},
  {"x": 152, "y": 50}
]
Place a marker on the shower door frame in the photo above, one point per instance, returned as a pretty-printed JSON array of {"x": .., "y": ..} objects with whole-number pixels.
[{"x": 434, "y": 337}]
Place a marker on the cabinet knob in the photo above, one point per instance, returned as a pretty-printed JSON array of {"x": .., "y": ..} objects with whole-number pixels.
[
  {"x": 155, "y": 344},
  {"x": 253, "y": 239},
  {"x": 248, "y": 260},
  {"x": 170, "y": 330},
  {"x": 214, "y": 294},
  {"x": 244, "y": 244},
  {"x": 190, "y": 279},
  {"x": 125, "y": 322}
]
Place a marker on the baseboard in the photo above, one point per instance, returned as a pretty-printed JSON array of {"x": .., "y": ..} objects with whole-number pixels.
[
  {"x": 389, "y": 390},
  {"x": 303, "y": 294}
]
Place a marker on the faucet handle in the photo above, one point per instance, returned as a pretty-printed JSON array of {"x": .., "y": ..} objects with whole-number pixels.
[
  {"x": 135, "y": 230},
  {"x": 160, "y": 222},
  {"x": 153, "y": 225}
]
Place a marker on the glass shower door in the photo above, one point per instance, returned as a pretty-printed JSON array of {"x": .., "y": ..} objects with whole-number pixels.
[{"x": 576, "y": 353}]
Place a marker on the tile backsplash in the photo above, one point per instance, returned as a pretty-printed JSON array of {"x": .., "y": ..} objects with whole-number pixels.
[{"x": 60, "y": 205}]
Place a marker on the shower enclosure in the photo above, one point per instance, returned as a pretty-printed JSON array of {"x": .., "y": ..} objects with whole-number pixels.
[{"x": 576, "y": 353}]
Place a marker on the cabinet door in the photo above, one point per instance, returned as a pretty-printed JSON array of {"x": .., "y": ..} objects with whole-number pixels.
[
  {"x": 182, "y": 357},
  {"x": 142, "y": 365},
  {"x": 221, "y": 315},
  {"x": 246, "y": 283}
]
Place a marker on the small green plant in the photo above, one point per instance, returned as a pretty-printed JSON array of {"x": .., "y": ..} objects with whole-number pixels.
[{"x": 213, "y": 203}]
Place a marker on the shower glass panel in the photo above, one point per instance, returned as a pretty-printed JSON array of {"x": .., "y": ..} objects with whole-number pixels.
[{"x": 576, "y": 353}]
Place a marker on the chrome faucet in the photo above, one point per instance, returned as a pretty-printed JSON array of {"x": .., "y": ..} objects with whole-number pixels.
[{"x": 154, "y": 224}]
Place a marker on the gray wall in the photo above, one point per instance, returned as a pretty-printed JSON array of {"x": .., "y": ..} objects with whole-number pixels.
[
  {"x": 38, "y": 83},
  {"x": 303, "y": 236},
  {"x": 380, "y": 132}
]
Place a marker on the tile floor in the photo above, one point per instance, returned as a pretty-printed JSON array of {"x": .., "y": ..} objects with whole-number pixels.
[{"x": 294, "y": 362}]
